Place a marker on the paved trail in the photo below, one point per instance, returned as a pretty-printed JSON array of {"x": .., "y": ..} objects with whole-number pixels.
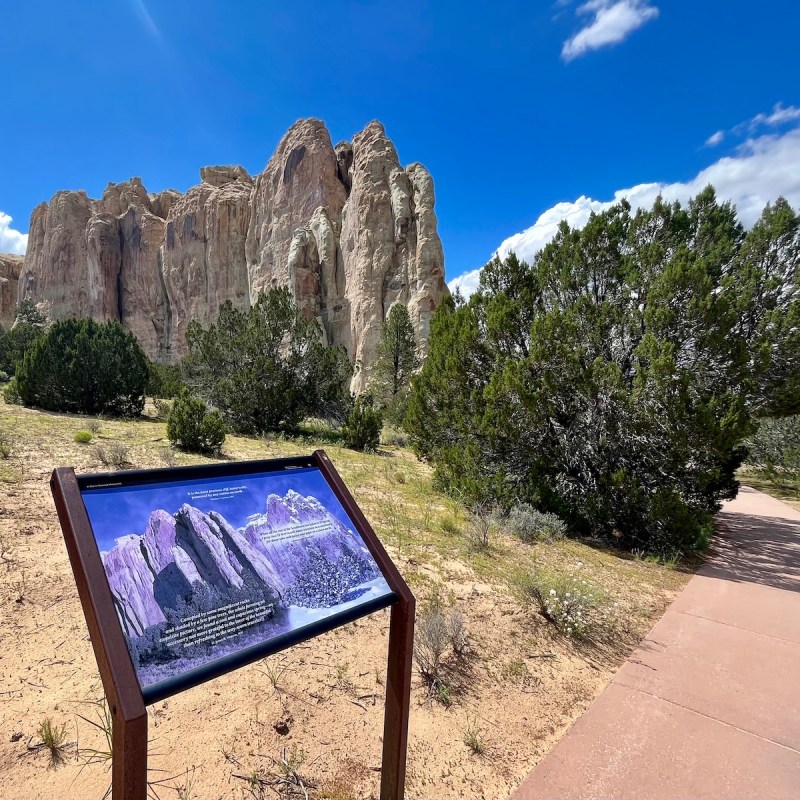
[{"x": 709, "y": 705}]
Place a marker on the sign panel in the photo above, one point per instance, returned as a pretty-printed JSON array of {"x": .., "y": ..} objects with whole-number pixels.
[{"x": 213, "y": 567}]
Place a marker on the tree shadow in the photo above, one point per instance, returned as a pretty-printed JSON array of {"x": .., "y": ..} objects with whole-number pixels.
[{"x": 755, "y": 549}]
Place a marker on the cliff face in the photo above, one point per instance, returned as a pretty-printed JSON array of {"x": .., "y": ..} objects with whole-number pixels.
[
  {"x": 10, "y": 267},
  {"x": 347, "y": 229}
]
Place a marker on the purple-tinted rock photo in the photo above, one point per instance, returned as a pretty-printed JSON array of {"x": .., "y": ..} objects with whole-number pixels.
[{"x": 192, "y": 587}]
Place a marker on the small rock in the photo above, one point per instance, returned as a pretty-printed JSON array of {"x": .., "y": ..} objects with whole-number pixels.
[
  {"x": 15, "y": 737},
  {"x": 281, "y": 727}
]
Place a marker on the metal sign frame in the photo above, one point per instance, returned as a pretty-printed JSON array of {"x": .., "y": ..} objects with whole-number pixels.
[{"x": 126, "y": 701}]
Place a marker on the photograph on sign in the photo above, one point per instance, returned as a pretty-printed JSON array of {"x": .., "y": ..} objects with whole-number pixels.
[{"x": 205, "y": 568}]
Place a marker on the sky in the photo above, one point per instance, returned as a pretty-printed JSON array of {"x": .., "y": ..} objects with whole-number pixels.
[
  {"x": 524, "y": 112},
  {"x": 118, "y": 512}
]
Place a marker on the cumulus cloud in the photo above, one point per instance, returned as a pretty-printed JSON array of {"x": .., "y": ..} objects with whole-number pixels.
[
  {"x": 11, "y": 241},
  {"x": 761, "y": 170},
  {"x": 611, "y": 22}
]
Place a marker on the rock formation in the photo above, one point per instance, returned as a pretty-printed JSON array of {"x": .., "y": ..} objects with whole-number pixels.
[
  {"x": 283, "y": 551},
  {"x": 347, "y": 229},
  {"x": 10, "y": 267}
]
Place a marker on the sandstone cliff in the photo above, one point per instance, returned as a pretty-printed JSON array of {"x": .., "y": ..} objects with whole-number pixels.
[
  {"x": 10, "y": 267},
  {"x": 347, "y": 229}
]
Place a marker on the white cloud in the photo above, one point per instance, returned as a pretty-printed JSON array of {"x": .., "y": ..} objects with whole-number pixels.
[
  {"x": 611, "y": 23},
  {"x": 467, "y": 283},
  {"x": 779, "y": 116},
  {"x": 761, "y": 170},
  {"x": 11, "y": 241}
]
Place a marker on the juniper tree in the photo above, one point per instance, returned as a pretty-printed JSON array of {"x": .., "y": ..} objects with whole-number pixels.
[
  {"x": 266, "y": 368},
  {"x": 86, "y": 367},
  {"x": 395, "y": 361},
  {"x": 764, "y": 284},
  {"x": 613, "y": 379},
  {"x": 29, "y": 325}
]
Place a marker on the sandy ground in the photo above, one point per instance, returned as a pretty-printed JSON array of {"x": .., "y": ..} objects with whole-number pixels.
[{"x": 515, "y": 691}]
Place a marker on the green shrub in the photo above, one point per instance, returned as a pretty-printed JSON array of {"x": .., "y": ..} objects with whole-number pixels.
[
  {"x": 83, "y": 437},
  {"x": 266, "y": 368},
  {"x": 162, "y": 407},
  {"x": 775, "y": 448},
  {"x": 164, "y": 381},
  {"x": 5, "y": 451},
  {"x": 530, "y": 525},
  {"x": 16, "y": 342},
  {"x": 114, "y": 454},
  {"x": 11, "y": 393},
  {"x": 363, "y": 428},
  {"x": 393, "y": 437},
  {"x": 192, "y": 427},
  {"x": 4, "y": 378},
  {"x": 85, "y": 367},
  {"x": 570, "y": 603},
  {"x": 449, "y": 524}
]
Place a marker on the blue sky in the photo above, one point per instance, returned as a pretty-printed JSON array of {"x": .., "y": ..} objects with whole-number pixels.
[
  {"x": 122, "y": 511},
  {"x": 514, "y": 107}
]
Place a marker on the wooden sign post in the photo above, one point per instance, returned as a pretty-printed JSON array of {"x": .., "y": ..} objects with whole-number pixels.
[{"x": 129, "y": 688}]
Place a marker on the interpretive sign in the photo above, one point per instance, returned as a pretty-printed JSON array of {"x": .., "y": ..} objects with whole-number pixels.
[
  {"x": 188, "y": 573},
  {"x": 210, "y": 571}
]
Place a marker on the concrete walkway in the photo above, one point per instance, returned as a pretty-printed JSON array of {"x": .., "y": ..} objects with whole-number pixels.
[{"x": 709, "y": 704}]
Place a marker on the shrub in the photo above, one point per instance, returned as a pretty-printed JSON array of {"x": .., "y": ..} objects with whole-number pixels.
[
  {"x": 85, "y": 367},
  {"x": 266, "y": 368},
  {"x": 570, "y": 603},
  {"x": 3, "y": 376},
  {"x": 613, "y": 379},
  {"x": 362, "y": 430},
  {"x": 16, "y": 342},
  {"x": 530, "y": 525},
  {"x": 113, "y": 454},
  {"x": 480, "y": 525},
  {"x": 438, "y": 629},
  {"x": 775, "y": 448},
  {"x": 162, "y": 407},
  {"x": 83, "y": 437},
  {"x": 192, "y": 427},
  {"x": 11, "y": 393},
  {"x": 394, "y": 438},
  {"x": 395, "y": 361},
  {"x": 164, "y": 381},
  {"x": 431, "y": 640},
  {"x": 5, "y": 445}
]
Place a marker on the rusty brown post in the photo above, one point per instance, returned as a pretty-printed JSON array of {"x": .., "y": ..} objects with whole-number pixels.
[
  {"x": 124, "y": 697},
  {"x": 401, "y": 644}
]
